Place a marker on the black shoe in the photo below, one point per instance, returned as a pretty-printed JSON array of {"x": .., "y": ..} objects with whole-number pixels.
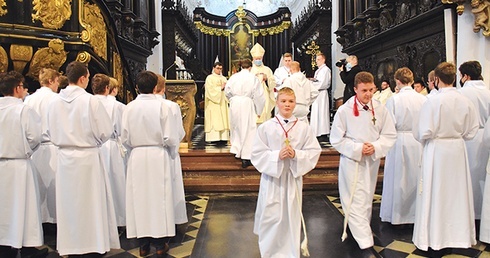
[
  {"x": 145, "y": 250},
  {"x": 32, "y": 252},
  {"x": 246, "y": 163},
  {"x": 370, "y": 253}
]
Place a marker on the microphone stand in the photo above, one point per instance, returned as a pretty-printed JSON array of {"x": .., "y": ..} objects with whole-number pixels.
[{"x": 166, "y": 70}]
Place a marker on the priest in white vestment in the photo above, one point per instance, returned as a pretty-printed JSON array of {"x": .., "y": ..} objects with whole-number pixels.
[
  {"x": 113, "y": 153},
  {"x": 402, "y": 164},
  {"x": 149, "y": 132},
  {"x": 180, "y": 209},
  {"x": 304, "y": 91},
  {"x": 216, "y": 123},
  {"x": 284, "y": 150},
  {"x": 45, "y": 157},
  {"x": 444, "y": 214},
  {"x": 475, "y": 89},
  {"x": 20, "y": 135},
  {"x": 320, "y": 109},
  {"x": 246, "y": 97},
  {"x": 78, "y": 125},
  {"x": 363, "y": 132},
  {"x": 385, "y": 93},
  {"x": 267, "y": 80}
]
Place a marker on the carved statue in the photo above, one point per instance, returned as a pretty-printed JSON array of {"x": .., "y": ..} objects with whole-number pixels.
[
  {"x": 3, "y": 5},
  {"x": 52, "y": 13},
  {"x": 94, "y": 23},
  {"x": 4, "y": 60},
  {"x": 481, "y": 11},
  {"x": 385, "y": 19},
  {"x": 52, "y": 56}
]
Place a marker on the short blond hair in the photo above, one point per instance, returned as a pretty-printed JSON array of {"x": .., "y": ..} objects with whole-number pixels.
[
  {"x": 295, "y": 66},
  {"x": 285, "y": 91},
  {"x": 47, "y": 74},
  {"x": 404, "y": 75},
  {"x": 160, "y": 83},
  {"x": 113, "y": 84}
]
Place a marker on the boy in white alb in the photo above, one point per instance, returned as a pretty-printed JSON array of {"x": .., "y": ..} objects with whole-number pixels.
[{"x": 284, "y": 150}]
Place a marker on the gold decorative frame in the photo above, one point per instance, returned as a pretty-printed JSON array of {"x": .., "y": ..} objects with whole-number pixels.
[
  {"x": 240, "y": 41},
  {"x": 52, "y": 14},
  {"x": 4, "y": 60},
  {"x": 481, "y": 11},
  {"x": 20, "y": 55},
  {"x": 3, "y": 7},
  {"x": 95, "y": 31}
]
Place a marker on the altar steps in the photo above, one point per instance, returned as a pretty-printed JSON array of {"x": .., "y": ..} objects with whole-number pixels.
[{"x": 218, "y": 170}]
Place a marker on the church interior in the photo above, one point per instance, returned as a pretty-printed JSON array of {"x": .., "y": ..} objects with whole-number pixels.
[{"x": 182, "y": 39}]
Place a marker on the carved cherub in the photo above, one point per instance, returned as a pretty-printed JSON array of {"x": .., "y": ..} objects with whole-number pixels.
[
  {"x": 52, "y": 56},
  {"x": 481, "y": 9}
]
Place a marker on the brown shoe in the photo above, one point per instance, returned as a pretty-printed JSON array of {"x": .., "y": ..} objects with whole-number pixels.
[{"x": 163, "y": 250}]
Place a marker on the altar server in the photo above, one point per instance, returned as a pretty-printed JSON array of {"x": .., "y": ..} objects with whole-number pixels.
[
  {"x": 363, "y": 132},
  {"x": 320, "y": 109},
  {"x": 444, "y": 214},
  {"x": 284, "y": 150},
  {"x": 78, "y": 125}
]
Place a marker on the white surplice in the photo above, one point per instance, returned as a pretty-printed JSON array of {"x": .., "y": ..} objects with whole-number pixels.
[
  {"x": 403, "y": 162},
  {"x": 485, "y": 214},
  {"x": 216, "y": 123},
  {"x": 148, "y": 131},
  {"x": 180, "y": 209},
  {"x": 78, "y": 124},
  {"x": 383, "y": 95},
  {"x": 115, "y": 156},
  {"x": 348, "y": 135},
  {"x": 478, "y": 93},
  {"x": 46, "y": 156},
  {"x": 305, "y": 94},
  {"x": 246, "y": 97},
  {"x": 268, "y": 89},
  {"x": 444, "y": 214},
  {"x": 320, "y": 109},
  {"x": 278, "y": 213},
  {"x": 280, "y": 75},
  {"x": 20, "y": 213}
]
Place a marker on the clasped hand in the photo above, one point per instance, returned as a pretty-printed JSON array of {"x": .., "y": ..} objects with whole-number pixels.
[
  {"x": 287, "y": 152},
  {"x": 367, "y": 149}
]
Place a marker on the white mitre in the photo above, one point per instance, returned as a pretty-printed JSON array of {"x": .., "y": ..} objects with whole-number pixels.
[{"x": 257, "y": 50}]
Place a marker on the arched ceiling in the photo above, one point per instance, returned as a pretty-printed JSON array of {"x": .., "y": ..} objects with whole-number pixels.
[{"x": 259, "y": 7}]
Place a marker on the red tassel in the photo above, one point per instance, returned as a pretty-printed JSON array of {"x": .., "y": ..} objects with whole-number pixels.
[{"x": 356, "y": 110}]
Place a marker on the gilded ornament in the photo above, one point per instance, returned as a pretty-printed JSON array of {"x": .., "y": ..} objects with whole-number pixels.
[
  {"x": 20, "y": 55},
  {"x": 4, "y": 60},
  {"x": 481, "y": 11},
  {"x": 53, "y": 56},
  {"x": 117, "y": 73},
  {"x": 240, "y": 13},
  {"x": 3, "y": 7},
  {"x": 83, "y": 57},
  {"x": 52, "y": 13},
  {"x": 313, "y": 49},
  {"x": 95, "y": 28}
]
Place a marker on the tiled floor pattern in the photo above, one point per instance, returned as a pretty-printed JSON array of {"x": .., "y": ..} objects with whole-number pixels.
[
  {"x": 401, "y": 245},
  {"x": 181, "y": 245}
]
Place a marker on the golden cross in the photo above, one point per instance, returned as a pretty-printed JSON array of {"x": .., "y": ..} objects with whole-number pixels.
[
  {"x": 286, "y": 141},
  {"x": 374, "y": 120}
]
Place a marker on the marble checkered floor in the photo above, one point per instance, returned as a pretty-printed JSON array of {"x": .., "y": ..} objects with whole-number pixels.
[
  {"x": 395, "y": 241},
  {"x": 221, "y": 225}
]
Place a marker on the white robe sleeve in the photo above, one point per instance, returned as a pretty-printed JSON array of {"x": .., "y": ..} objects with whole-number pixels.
[
  {"x": 423, "y": 128},
  {"x": 387, "y": 137},
  {"x": 486, "y": 134},
  {"x": 313, "y": 93},
  {"x": 265, "y": 159},
  {"x": 471, "y": 123},
  {"x": 101, "y": 123},
  {"x": 213, "y": 89},
  {"x": 306, "y": 156},
  {"x": 31, "y": 123},
  {"x": 346, "y": 146},
  {"x": 171, "y": 136}
]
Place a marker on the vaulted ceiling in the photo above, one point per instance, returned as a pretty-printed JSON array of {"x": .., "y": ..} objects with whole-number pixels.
[{"x": 259, "y": 7}]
